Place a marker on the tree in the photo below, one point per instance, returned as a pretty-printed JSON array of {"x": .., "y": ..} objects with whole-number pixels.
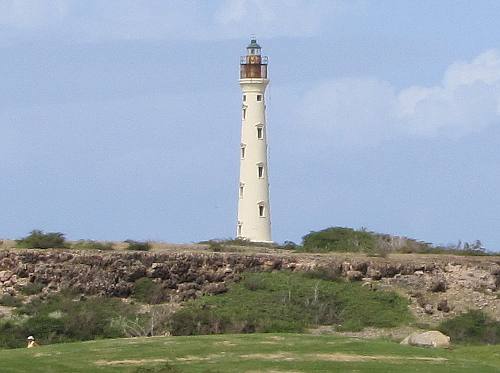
[{"x": 37, "y": 239}]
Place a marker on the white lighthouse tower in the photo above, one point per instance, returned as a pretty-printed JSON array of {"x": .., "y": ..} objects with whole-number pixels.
[{"x": 254, "y": 213}]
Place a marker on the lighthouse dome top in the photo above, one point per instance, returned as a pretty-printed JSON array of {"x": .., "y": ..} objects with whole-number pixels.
[
  {"x": 253, "y": 47},
  {"x": 253, "y": 44}
]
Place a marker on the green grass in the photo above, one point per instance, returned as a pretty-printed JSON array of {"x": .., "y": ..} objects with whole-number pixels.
[
  {"x": 247, "y": 353},
  {"x": 290, "y": 302}
]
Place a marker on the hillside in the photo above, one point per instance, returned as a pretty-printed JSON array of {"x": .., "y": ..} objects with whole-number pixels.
[
  {"x": 246, "y": 353},
  {"x": 437, "y": 286}
]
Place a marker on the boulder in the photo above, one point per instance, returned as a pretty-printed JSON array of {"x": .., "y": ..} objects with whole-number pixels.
[
  {"x": 431, "y": 338},
  {"x": 429, "y": 309},
  {"x": 354, "y": 275},
  {"x": 443, "y": 306},
  {"x": 438, "y": 285}
]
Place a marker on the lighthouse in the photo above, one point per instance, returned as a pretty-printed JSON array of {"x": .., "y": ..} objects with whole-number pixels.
[{"x": 254, "y": 212}]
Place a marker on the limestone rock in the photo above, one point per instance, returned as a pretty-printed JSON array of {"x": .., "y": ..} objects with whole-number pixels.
[
  {"x": 431, "y": 338},
  {"x": 438, "y": 285},
  {"x": 354, "y": 275},
  {"x": 428, "y": 309}
]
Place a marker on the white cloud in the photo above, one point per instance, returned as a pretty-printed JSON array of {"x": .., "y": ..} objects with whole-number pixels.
[
  {"x": 367, "y": 111},
  {"x": 353, "y": 110},
  {"x": 97, "y": 20},
  {"x": 32, "y": 14},
  {"x": 276, "y": 18}
]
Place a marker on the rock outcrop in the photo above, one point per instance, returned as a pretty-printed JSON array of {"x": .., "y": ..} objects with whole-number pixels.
[{"x": 437, "y": 286}]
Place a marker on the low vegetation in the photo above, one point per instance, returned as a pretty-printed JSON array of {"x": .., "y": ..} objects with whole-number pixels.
[
  {"x": 31, "y": 288},
  {"x": 138, "y": 245},
  {"x": 92, "y": 245},
  {"x": 340, "y": 239},
  {"x": 289, "y": 302},
  {"x": 66, "y": 317},
  {"x": 473, "y": 327},
  {"x": 37, "y": 239},
  {"x": 150, "y": 292},
  {"x": 8, "y": 300}
]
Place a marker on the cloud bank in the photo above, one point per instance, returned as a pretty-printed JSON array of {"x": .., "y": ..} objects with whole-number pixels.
[
  {"x": 97, "y": 21},
  {"x": 364, "y": 111}
]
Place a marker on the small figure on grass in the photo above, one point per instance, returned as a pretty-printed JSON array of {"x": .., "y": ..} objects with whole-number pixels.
[{"x": 31, "y": 342}]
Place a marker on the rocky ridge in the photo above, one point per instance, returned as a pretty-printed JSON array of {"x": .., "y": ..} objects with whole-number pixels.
[{"x": 438, "y": 286}]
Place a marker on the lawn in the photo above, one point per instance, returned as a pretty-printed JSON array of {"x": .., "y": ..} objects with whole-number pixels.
[{"x": 247, "y": 353}]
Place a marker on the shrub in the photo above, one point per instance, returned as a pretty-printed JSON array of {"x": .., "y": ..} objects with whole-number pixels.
[
  {"x": 289, "y": 302},
  {"x": 32, "y": 288},
  {"x": 66, "y": 317},
  {"x": 147, "y": 291},
  {"x": 10, "y": 301},
  {"x": 92, "y": 245},
  {"x": 473, "y": 327},
  {"x": 288, "y": 245},
  {"x": 12, "y": 334},
  {"x": 228, "y": 242},
  {"x": 138, "y": 245},
  {"x": 324, "y": 273},
  {"x": 378, "y": 244},
  {"x": 339, "y": 239},
  {"x": 254, "y": 283},
  {"x": 37, "y": 239}
]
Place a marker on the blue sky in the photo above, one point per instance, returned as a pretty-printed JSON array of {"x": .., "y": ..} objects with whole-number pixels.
[{"x": 120, "y": 119}]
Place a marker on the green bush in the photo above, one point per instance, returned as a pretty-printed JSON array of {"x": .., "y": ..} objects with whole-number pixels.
[
  {"x": 92, "y": 245},
  {"x": 32, "y": 288},
  {"x": 324, "y": 273},
  {"x": 10, "y": 301},
  {"x": 288, "y": 245},
  {"x": 147, "y": 291},
  {"x": 254, "y": 283},
  {"x": 339, "y": 239},
  {"x": 37, "y": 239},
  {"x": 289, "y": 302},
  {"x": 12, "y": 334},
  {"x": 67, "y": 317},
  {"x": 231, "y": 244},
  {"x": 473, "y": 327},
  {"x": 138, "y": 245}
]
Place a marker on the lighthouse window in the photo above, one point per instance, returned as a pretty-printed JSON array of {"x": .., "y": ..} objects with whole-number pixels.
[
  {"x": 259, "y": 133},
  {"x": 239, "y": 230},
  {"x": 243, "y": 152},
  {"x": 260, "y": 171},
  {"x": 259, "y": 97},
  {"x": 261, "y": 211},
  {"x": 241, "y": 190},
  {"x": 244, "y": 98},
  {"x": 244, "y": 112}
]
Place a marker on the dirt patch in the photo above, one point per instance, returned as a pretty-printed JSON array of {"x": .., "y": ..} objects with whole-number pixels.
[
  {"x": 286, "y": 356},
  {"x": 353, "y": 357},
  {"x": 190, "y": 358},
  {"x": 129, "y": 362},
  {"x": 225, "y": 343},
  {"x": 276, "y": 338}
]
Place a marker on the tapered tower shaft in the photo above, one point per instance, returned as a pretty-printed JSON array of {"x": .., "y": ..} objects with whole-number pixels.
[{"x": 254, "y": 212}]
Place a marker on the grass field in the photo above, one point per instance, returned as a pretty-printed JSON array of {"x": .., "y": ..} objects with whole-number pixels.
[{"x": 247, "y": 353}]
